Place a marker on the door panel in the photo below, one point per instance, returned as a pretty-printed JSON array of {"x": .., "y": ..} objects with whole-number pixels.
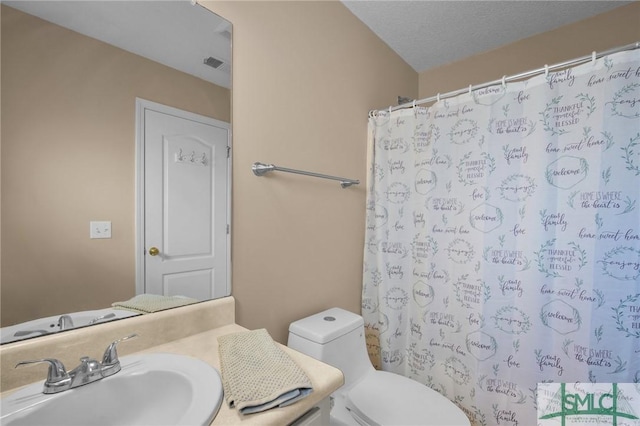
[
  {"x": 187, "y": 283},
  {"x": 189, "y": 196}
]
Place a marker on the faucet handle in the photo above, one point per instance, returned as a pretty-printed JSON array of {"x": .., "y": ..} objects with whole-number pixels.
[
  {"x": 65, "y": 322},
  {"x": 110, "y": 356},
  {"x": 56, "y": 368},
  {"x": 57, "y": 377}
]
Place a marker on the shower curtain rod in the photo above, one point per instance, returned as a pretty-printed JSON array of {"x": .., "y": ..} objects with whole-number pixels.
[
  {"x": 259, "y": 169},
  {"x": 507, "y": 79}
]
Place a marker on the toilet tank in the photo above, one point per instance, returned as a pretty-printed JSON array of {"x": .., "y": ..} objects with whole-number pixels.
[{"x": 335, "y": 337}]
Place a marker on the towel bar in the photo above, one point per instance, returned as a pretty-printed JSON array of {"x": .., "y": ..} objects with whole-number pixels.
[{"x": 260, "y": 169}]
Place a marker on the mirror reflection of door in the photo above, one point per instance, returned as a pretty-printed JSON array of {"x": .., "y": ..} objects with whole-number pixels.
[{"x": 185, "y": 202}]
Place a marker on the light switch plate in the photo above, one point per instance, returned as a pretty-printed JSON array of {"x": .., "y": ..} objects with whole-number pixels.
[{"x": 100, "y": 229}]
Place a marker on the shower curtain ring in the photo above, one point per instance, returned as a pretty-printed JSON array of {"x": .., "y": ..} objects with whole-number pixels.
[
  {"x": 504, "y": 81},
  {"x": 593, "y": 57},
  {"x": 546, "y": 70},
  {"x": 438, "y": 98},
  {"x": 470, "y": 86}
]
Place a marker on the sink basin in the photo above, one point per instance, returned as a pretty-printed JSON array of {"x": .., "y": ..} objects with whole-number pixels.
[{"x": 151, "y": 389}]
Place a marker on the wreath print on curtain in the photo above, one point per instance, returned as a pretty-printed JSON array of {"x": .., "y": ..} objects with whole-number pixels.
[{"x": 502, "y": 246}]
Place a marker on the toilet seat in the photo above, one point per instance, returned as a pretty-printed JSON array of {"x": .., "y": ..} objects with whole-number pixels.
[{"x": 383, "y": 399}]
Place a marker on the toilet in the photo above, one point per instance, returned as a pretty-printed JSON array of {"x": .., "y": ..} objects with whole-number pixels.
[{"x": 368, "y": 397}]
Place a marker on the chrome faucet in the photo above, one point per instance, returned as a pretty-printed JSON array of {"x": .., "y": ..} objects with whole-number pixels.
[
  {"x": 65, "y": 322},
  {"x": 101, "y": 318},
  {"x": 89, "y": 370}
]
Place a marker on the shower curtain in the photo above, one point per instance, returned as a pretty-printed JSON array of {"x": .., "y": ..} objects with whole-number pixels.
[{"x": 502, "y": 244}]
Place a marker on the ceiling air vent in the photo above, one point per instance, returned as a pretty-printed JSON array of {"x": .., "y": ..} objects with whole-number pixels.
[
  {"x": 217, "y": 64},
  {"x": 213, "y": 62}
]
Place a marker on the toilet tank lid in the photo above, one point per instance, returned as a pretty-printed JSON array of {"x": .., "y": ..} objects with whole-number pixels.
[{"x": 326, "y": 326}]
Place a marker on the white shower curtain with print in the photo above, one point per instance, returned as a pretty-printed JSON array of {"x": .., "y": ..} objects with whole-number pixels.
[{"x": 502, "y": 246}]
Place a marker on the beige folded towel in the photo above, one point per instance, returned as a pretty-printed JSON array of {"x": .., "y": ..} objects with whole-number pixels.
[
  {"x": 257, "y": 374},
  {"x": 148, "y": 303}
]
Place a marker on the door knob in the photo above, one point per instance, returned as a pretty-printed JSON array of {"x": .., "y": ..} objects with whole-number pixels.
[{"x": 153, "y": 251}]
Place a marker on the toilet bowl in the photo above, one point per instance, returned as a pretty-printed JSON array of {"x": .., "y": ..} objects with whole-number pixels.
[{"x": 368, "y": 397}]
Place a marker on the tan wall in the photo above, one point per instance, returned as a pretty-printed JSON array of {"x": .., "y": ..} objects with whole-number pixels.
[
  {"x": 68, "y": 150},
  {"x": 305, "y": 76},
  {"x": 618, "y": 27}
]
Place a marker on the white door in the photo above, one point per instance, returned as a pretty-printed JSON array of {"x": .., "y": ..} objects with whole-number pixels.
[{"x": 185, "y": 203}]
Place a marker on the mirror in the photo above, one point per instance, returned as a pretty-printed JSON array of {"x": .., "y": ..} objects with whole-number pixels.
[{"x": 72, "y": 72}]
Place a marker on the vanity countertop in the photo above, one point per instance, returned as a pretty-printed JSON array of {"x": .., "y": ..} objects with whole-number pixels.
[
  {"x": 195, "y": 334},
  {"x": 204, "y": 346}
]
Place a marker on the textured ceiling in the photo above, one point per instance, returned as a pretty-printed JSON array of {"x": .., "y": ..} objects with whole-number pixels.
[{"x": 427, "y": 34}]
